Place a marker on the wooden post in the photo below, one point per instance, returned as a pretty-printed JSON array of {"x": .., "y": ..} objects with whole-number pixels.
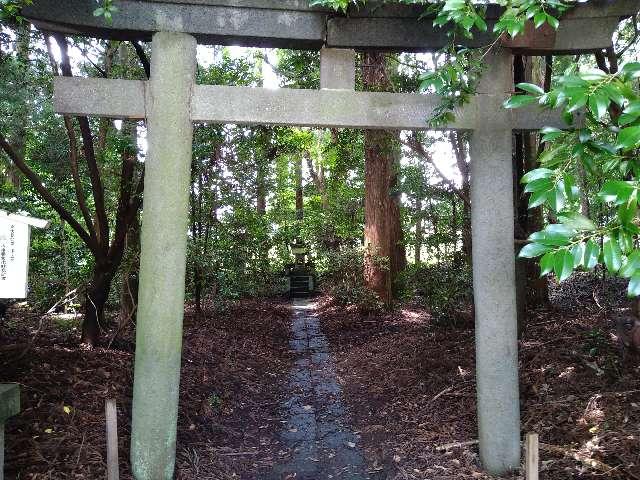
[
  {"x": 111, "y": 415},
  {"x": 163, "y": 257},
  {"x": 531, "y": 456}
]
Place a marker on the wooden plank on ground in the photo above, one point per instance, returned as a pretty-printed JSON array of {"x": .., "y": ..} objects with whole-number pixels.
[
  {"x": 111, "y": 414},
  {"x": 532, "y": 458}
]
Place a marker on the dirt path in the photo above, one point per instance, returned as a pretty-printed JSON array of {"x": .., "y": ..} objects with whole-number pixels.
[{"x": 321, "y": 443}]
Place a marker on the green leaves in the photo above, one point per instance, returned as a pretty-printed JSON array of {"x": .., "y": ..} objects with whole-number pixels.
[
  {"x": 106, "y": 10},
  {"x": 515, "y": 16},
  {"x": 631, "y": 70},
  {"x": 518, "y": 101},
  {"x": 463, "y": 14},
  {"x": 530, "y": 88},
  {"x": 10, "y": 10},
  {"x": 563, "y": 265},
  {"x": 629, "y": 138},
  {"x": 612, "y": 255},
  {"x": 340, "y": 5},
  {"x": 633, "y": 289},
  {"x": 591, "y": 254},
  {"x": 604, "y": 151},
  {"x": 532, "y": 250},
  {"x": 537, "y": 174},
  {"x": 618, "y": 191},
  {"x": 598, "y": 104},
  {"x": 576, "y": 221}
]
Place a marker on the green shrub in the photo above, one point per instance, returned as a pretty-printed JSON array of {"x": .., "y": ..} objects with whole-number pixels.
[
  {"x": 343, "y": 279},
  {"x": 444, "y": 288}
]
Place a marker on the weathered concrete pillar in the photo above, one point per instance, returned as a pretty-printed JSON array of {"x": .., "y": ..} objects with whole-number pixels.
[
  {"x": 494, "y": 273},
  {"x": 9, "y": 406},
  {"x": 163, "y": 256},
  {"x": 338, "y": 68}
]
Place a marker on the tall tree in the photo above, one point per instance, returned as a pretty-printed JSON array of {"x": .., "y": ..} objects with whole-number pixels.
[
  {"x": 385, "y": 255},
  {"x": 104, "y": 239}
]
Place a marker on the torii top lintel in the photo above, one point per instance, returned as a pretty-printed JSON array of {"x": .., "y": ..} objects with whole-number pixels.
[{"x": 294, "y": 24}]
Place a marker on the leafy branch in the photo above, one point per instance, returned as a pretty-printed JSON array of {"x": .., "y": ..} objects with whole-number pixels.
[{"x": 607, "y": 146}]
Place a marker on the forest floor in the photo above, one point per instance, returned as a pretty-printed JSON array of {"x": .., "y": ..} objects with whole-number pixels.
[
  {"x": 410, "y": 388},
  {"x": 236, "y": 362},
  {"x": 407, "y": 387}
]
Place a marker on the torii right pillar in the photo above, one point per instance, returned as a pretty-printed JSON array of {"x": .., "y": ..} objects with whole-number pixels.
[{"x": 492, "y": 222}]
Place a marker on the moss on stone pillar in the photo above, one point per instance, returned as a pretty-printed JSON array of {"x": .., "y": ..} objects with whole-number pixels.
[{"x": 163, "y": 256}]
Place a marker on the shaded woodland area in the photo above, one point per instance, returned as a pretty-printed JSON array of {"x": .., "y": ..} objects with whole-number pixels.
[{"x": 386, "y": 218}]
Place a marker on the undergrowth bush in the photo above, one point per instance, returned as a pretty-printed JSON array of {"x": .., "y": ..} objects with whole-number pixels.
[
  {"x": 444, "y": 288},
  {"x": 343, "y": 279}
]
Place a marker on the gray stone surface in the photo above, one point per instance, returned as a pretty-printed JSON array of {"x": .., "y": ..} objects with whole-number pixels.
[
  {"x": 9, "y": 400},
  {"x": 325, "y": 108},
  {"x": 338, "y": 68},
  {"x": 320, "y": 442},
  {"x": 494, "y": 279},
  {"x": 112, "y": 98},
  {"x": 163, "y": 257},
  {"x": 9, "y": 406},
  {"x": 172, "y": 102},
  {"x": 292, "y": 24},
  {"x": 322, "y": 108}
]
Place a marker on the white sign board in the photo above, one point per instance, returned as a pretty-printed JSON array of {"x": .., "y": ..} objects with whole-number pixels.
[{"x": 15, "y": 232}]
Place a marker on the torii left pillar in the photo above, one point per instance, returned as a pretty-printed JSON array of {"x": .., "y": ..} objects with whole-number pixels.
[{"x": 163, "y": 258}]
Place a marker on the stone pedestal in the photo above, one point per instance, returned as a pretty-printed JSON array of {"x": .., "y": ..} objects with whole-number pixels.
[{"x": 9, "y": 406}]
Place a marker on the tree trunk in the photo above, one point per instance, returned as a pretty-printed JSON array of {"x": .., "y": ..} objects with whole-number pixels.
[
  {"x": 129, "y": 291},
  {"x": 299, "y": 192},
  {"x": 377, "y": 230},
  {"x": 537, "y": 293},
  {"x": 398, "y": 251},
  {"x": 65, "y": 261},
  {"x": 195, "y": 200},
  {"x": 419, "y": 233},
  {"x": 460, "y": 149},
  {"x": 21, "y": 119},
  {"x": 385, "y": 255},
  {"x": 530, "y": 289},
  {"x": 261, "y": 192},
  {"x": 96, "y": 297},
  {"x": 262, "y": 164},
  {"x": 106, "y": 249}
]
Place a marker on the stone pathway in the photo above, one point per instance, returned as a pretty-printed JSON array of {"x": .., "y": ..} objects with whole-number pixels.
[{"x": 317, "y": 434}]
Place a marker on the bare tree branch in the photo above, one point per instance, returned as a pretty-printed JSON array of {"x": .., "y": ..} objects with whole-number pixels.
[
  {"x": 144, "y": 60},
  {"x": 46, "y": 194},
  {"x": 73, "y": 153},
  {"x": 414, "y": 145},
  {"x": 89, "y": 154}
]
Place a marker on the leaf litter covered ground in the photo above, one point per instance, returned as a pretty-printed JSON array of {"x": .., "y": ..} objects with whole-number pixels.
[
  {"x": 408, "y": 385},
  {"x": 411, "y": 388},
  {"x": 235, "y": 361}
]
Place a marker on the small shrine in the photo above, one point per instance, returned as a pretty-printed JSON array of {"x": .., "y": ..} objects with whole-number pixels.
[{"x": 301, "y": 273}]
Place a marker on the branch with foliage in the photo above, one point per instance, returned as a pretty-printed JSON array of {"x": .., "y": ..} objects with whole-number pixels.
[
  {"x": 606, "y": 146},
  {"x": 467, "y": 15}
]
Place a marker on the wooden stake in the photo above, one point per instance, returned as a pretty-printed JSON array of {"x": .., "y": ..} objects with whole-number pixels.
[
  {"x": 531, "y": 456},
  {"x": 111, "y": 414}
]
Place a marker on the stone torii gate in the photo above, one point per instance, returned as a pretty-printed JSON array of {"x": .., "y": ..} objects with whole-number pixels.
[{"x": 171, "y": 101}]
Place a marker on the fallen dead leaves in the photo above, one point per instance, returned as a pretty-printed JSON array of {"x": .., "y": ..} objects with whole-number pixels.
[
  {"x": 235, "y": 367},
  {"x": 410, "y": 389}
]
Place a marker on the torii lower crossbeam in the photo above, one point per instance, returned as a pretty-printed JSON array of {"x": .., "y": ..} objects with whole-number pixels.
[{"x": 171, "y": 101}]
